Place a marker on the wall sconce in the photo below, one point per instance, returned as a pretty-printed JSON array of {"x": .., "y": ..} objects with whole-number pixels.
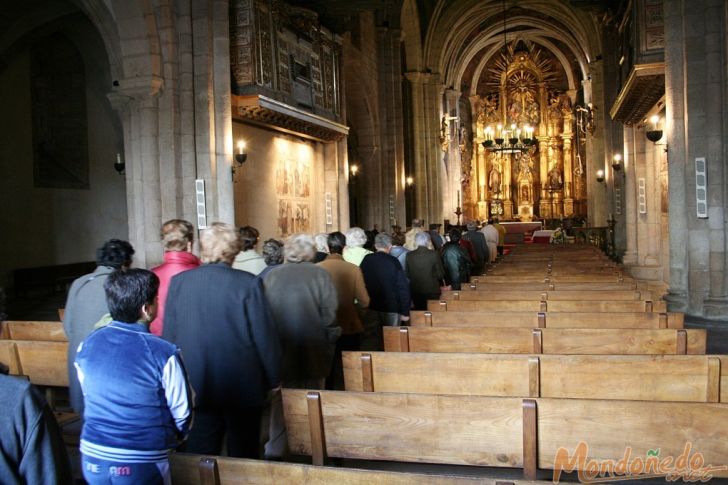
[
  {"x": 354, "y": 170},
  {"x": 654, "y": 134},
  {"x": 617, "y": 162},
  {"x": 409, "y": 181},
  {"x": 119, "y": 166},
  {"x": 240, "y": 157},
  {"x": 600, "y": 176}
]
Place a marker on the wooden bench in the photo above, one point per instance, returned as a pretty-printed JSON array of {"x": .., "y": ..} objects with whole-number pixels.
[
  {"x": 51, "y": 278},
  {"x": 478, "y": 283},
  {"x": 189, "y": 469},
  {"x": 547, "y": 306},
  {"x": 496, "y": 431},
  {"x": 687, "y": 378},
  {"x": 483, "y": 295},
  {"x": 503, "y": 340},
  {"x": 44, "y": 363},
  {"x": 545, "y": 278},
  {"x": 31, "y": 330},
  {"x": 547, "y": 319}
]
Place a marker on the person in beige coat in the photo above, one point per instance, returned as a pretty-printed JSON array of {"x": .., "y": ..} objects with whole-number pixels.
[{"x": 353, "y": 296}]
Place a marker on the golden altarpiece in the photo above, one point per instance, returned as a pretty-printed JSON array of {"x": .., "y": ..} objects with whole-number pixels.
[{"x": 524, "y": 163}]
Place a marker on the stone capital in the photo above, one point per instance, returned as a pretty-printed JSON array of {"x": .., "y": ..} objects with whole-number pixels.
[{"x": 418, "y": 77}]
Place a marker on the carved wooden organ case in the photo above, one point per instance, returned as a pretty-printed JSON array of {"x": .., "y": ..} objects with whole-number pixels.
[{"x": 524, "y": 96}]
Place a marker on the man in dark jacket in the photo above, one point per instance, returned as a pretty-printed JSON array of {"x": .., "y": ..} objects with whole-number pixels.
[
  {"x": 455, "y": 261},
  {"x": 219, "y": 317},
  {"x": 389, "y": 294},
  {"x": 31, "y": 446},
  {"x": 425, "y": 272},
  {"x": 480, "y": 247}
]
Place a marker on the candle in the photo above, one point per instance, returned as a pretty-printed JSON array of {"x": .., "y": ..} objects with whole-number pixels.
[
  {"x": 241, "y": 147},
  {"x": 458, "y": 198},
  {"x": 118, "y": 159}
]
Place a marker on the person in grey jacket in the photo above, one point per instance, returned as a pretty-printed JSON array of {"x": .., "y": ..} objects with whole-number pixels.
[
  {"x": 86, "y": 304},
  {"x": 425, "y": 272},
  {"x": 303, "y": 302}
]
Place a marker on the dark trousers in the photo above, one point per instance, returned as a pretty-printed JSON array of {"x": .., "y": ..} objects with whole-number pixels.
[
  {"x": 242, "y": 427},
  {"x": 335, "y": 380},
  {"x": 420, "y": 299}
]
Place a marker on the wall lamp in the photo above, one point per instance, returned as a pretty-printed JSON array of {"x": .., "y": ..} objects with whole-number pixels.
[
  {"x": 617, "y": 162},
  {"x": 240, "y": 157},
  {"x": 354, "y": 170},
  {"x": 409, "y": 181},
  {"x": 600, "y": 176},
  {"x": 119, "y": 165},
  {"x": 654, "y": 134}
]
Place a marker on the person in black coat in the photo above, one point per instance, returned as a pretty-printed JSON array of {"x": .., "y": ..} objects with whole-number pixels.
[
  {"x": 389, "y": 293},
  {"x": 220, "y": 319},
  {"x": 455, "y": 261},
  {"x": 477, "y": 239}
]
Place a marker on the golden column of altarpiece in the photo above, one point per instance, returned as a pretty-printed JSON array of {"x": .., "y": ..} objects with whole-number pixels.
[{"x": 543, "y": 181}]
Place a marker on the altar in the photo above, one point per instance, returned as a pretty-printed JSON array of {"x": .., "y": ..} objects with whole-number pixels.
[{"x": 515, "y": 231}]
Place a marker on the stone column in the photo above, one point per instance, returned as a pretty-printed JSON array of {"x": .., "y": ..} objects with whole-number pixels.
[
  {"x": 675, "y": 106},
  {"x": 453, "y": 166},
  {"x": 630, "y": 197},
  {"x": 568, "y": 168},
  {"x": 544, "y": 201}
]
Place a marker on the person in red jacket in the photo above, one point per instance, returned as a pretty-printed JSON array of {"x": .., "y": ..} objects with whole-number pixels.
[{"x": 177, "y": 236}]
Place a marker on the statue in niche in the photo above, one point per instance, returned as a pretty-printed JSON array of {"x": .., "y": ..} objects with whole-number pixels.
[
  {"x": 525, "y": 165},
  {"x": 532, "y": 108},
  {"x": 564, "y": 103},
  {"x": 462, "y": 137},
  {"x": 514, "y": 111},
  {"x": 554, "y": 109},
  {"x": 525, "y": 194},
  {"x": 444, "y": 132},
  {"x": 554, "y": 178},
  {"x": 494, "y": 179}
]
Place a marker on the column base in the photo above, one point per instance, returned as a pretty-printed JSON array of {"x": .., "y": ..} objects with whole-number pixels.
[
  {"x": 677, "y": 300},
  {"x": 650, "y": 273},
  {"x": 716, "y": 308}
]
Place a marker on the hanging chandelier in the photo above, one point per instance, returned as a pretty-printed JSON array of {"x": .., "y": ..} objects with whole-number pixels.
[{"x": 512, "y": 140}]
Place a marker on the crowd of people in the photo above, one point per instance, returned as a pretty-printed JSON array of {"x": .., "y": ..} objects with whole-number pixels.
[{"x": 192, "y": 354}]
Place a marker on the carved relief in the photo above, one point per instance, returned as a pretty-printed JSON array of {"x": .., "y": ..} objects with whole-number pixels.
[{"x": 241, "y": 43}]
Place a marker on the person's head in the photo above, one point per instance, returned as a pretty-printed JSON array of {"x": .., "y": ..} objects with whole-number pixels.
[
  {"x": 496, "y": 221},
  {"x": 398, "y": 239},
  {"x": 219, "y": 243},
  {"x": 355, "y": 237},
  {"x": 435, "y": 227},
  {"x": 131, "y": 295},
  {"x": 322, "y": 242},
  {"x": 416, "y": 222},
  {"x": 115, "y": 253},
  {"x": 299, "y": 248},
  {"x": 455, "y": 235},
  {"x": 272, "y": 252},
  {"x": 490, "y": 221},
  {"x": 383, "y": 242},
  {"x": 422, "y": 239},
  {"x": 248, "y": 237},
  {"x": 472, "y": 225},
  {"x": 336, "y": 242},
  {"x": 177, "y": 235}
]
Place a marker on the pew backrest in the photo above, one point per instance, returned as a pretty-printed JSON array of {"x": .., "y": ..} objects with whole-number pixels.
[
  {"x": 566, "y": 295},
  {"x": 687, "y": 378},
  {"x": 189, "y": 469},
  {"x": 581, "y": 341},
  {"x": 33, "y": 330},
  {"x": 605, "y": 306},
  {"x": 496, "y": 431},
  {"x": 43, "y": 362},
  {"x": 547, "y": 319}
]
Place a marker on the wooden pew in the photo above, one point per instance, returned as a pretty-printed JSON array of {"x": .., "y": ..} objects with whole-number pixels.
[
  {"x": 30, "y": 330},
  {"x": 547, "y": 306},
  {"x": 547, "y": 319},
  {"x": 687, "y": 378},
  {"x": 189, "y": 469},
  {"x": 496, "y": 431},
  {"x": 614, "y": 295},
  {"x": 479, "y": 283},
  {"x": 9, "y": 357},
  {"x": 545, "y": 278},
  {"x": 616, "y": 341},
  {"x": 43, "y": 362}
]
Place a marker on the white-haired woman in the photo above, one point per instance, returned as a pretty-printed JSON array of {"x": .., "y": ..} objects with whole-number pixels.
[
  {"x": 354, "y": 251},
  {"x": 303, "y": 301}
]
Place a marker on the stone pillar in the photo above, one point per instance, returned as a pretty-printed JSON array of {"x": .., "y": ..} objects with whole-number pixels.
[
  {"x": 630, "y": 197},
  {"x": 675, "y": 106},
  {"x": 597, "y": 207},
  {"x": 544, "y": 201},
  {"x": 453, "y": 166},
  {"x": 568, "y": 169}
]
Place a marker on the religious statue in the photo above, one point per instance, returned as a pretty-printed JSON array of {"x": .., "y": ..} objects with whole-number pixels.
[
  {"x": 564, "y": 103},
  {"x": 554, "y": 109},
  {"x": 514, "y": 111},
  {"x": 554, "y": 178},
  {"x": 494, "y": 179},
  {"x": 525, "y": 165},
  {"x": 444, "y": 132},
  {"x": 533, "y": 112}
]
